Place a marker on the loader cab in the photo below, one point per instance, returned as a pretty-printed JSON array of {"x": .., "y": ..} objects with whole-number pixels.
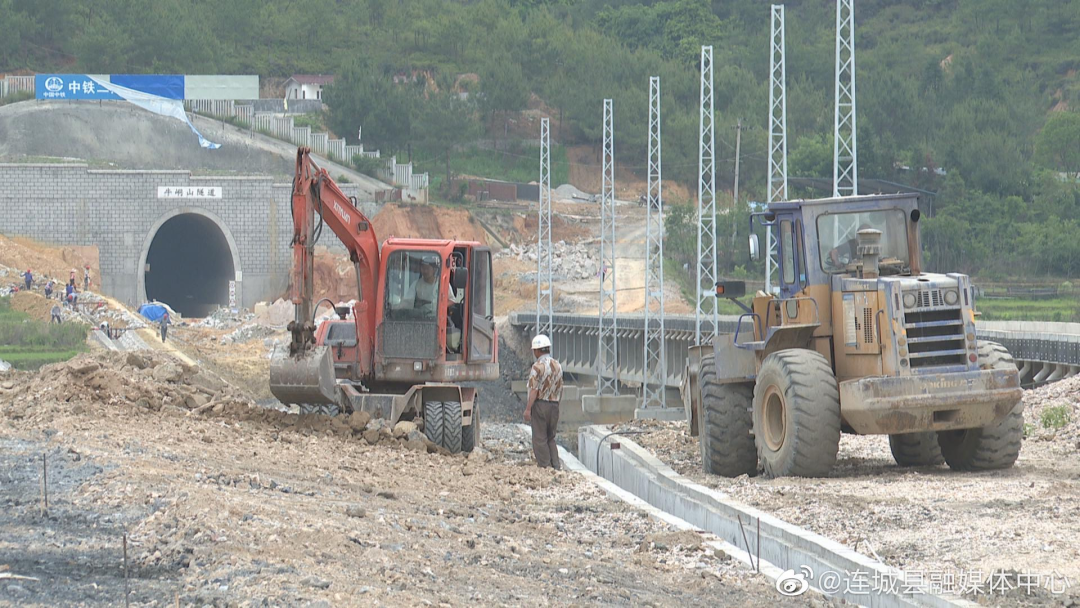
[{"x": 850, "y": 286}]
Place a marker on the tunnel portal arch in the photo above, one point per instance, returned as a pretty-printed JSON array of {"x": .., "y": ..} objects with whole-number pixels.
[{"x": 187, "y": 260}]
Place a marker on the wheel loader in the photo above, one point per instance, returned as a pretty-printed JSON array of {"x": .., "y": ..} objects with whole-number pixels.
[
  {"x": 858, "y": 339},
  {"x": 422, "y": 322}
]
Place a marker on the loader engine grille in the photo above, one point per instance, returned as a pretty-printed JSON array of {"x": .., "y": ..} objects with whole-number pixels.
[
  {"x": 410, "y": 340},
  {"x": 928, "y": 298},
  {"x": 935, "y": 338}
]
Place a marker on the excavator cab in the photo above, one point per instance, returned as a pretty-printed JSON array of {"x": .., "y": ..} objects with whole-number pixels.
[{"x": 436, "y": 310}]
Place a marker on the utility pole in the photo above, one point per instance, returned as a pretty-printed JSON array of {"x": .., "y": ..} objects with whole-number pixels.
[{"x": 735, "y": 197}]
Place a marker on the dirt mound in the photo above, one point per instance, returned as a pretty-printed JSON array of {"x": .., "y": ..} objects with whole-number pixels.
[
  {"x": 1052, "y": 412},
  {"x": 34, "y": 305},
  {"x": 114, "y": 383},
  {"x": 562, "y": 229},
  {"x": 335, "y": 278},
  {"x": 427, "y": 222},
  {"x": 54, "y": 262},
  {"x": 104, "y": 379}
]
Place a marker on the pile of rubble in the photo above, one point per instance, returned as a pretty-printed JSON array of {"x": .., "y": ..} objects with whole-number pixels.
[
  {"x": 247, "y": 333},
  {"x": 107, "y": 383},
  {"x": 97, "y": 309},
  {"x": 107, "y": 379},
  {"x": 224, "y": 318},
  {"x": 277, "y": 314},
  {"x": 1052, "y": 412},
  {"x": 569, "y": 261}
]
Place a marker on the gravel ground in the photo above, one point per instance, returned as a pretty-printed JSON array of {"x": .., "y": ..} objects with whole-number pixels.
[
  {"x": 285, "y": 510},
  {"x": 1024, "y": 520}
]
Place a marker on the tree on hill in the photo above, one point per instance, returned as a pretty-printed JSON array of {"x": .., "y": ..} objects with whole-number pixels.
[{"x": 1058, "y": 145}]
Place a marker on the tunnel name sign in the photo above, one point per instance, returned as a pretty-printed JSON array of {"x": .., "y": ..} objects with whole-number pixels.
[{"x": 204, "y": 192}]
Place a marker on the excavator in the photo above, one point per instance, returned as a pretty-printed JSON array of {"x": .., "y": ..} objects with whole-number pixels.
[{"x": 421, "y": 324}]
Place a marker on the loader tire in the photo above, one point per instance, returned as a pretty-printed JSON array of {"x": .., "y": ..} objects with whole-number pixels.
[
  {"x": 796, "y": 414},
  {"x": 996, "y": 446},
  {"x": 727, "y": 446},
  {"x": 916, "y": 449},
  {"x": 470, "y": 435},
  {"x": 442, "y": 424}
]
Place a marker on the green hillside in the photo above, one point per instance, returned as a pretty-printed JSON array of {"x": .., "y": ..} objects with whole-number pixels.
[{"x": 966, "y": 86}]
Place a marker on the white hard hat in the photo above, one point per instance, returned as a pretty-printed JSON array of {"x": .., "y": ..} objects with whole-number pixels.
[{"x": 541, "y": 341}]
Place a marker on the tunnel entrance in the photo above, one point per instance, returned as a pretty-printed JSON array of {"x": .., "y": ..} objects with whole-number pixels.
[{"x": 189, "y": 265}]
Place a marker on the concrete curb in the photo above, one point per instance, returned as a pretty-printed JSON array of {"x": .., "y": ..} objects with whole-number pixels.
[
  {"x": 783, "y": 547},
  {"x": 716, "y": 543}
]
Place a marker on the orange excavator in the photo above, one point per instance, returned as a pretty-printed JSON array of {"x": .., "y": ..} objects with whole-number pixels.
[{"x": 422, "y": 322}]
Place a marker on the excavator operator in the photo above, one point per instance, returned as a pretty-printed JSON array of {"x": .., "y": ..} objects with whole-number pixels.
[{"x": 426, "y": 288}]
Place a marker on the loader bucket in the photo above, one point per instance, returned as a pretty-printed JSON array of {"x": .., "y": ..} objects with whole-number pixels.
[{"x": 305, "y": 379}]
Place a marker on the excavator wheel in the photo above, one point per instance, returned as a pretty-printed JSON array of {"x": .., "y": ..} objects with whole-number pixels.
[
  {"x": 325, "y": 409},
  {"x": 470, "y": 435},
  {"x": 442, "y": 424}
]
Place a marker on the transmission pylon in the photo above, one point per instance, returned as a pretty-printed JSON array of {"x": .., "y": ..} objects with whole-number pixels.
[
  {"x": 705, "y": 319},
  {"x": 777, "y": 132},
  {"x": 543, "y": 236},
  {"x": 845, "y": 150},
  {"x": 655, "y": 371},
  {"x": 607, "y": 361}
]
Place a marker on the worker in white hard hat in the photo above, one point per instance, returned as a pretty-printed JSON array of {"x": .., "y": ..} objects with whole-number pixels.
[{"x": 542, "y": 408}]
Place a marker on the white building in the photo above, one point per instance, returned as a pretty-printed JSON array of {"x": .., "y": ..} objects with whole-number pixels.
[{"x": 306, "y": 86}]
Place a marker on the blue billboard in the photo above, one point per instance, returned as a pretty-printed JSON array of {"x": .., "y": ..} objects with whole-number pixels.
[
  {"x": 87, "y": 86},
  {"x": 169, "y": 86},
  {"x": 71, "y": 86}
]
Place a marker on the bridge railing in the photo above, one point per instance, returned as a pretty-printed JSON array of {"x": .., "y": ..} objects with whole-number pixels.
[{"x": 1044, "y": 352}]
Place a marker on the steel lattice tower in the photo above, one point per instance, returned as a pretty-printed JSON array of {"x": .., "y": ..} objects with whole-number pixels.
[
  {"x": 777, "y": 132},
  {"x": 705, "y": 319},
  {"x": 543, "y": 236},
  {"x": 845, "y": 150},
  {"x": 655, "y": 370},
  {"x": 607, "y": 359}
]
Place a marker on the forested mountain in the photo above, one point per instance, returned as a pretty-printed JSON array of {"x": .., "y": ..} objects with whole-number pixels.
[{"x": 981, "y": 89}]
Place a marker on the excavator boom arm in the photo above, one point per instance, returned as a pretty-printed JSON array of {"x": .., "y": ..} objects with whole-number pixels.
[{"x": 318, "y": 202}]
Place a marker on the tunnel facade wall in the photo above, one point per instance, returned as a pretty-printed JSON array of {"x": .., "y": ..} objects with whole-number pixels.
[{"x": 118, "y": 211}]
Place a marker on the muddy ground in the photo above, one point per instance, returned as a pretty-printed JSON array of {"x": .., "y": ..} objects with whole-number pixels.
[
  {"x": 1023, "y": 520},
  {"x": 233, "y": 506}
]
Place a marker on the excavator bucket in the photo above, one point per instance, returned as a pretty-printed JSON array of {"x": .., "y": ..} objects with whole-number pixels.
[{"x": 306, "y": 379}]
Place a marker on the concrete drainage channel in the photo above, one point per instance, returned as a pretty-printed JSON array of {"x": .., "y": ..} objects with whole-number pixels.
[{"x": 795, "y": 557}]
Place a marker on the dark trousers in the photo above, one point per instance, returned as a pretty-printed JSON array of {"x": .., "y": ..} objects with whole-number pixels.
[
  {"x": 545, "y": 419},
  {"x": 164, "y": 330}
]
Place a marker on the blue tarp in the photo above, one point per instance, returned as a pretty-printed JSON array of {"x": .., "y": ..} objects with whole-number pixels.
[{"x": 153, "y": 312}]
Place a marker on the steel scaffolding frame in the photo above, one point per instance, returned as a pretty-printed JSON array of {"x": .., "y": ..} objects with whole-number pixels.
[
  {"x": 845, "y": 150},
  {"x": 705, "y": 313},
  {"x": 652, "y": 390},
  {"x": 544, "y": 288},
  {"x": 777, "y": 132},
  {"x": 607, "y": 359}
]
